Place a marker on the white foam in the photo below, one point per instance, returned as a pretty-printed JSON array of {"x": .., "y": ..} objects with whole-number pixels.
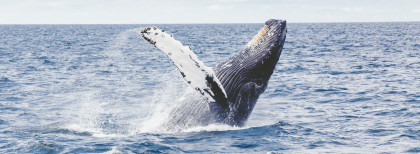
[
  {"x": 93, "y": 109},
  {"x": 212, "y": 127},
  {"x": 115, "y": 150}
]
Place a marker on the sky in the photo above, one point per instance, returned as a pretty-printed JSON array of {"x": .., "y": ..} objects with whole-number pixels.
[{"x": 204, "y": 11}]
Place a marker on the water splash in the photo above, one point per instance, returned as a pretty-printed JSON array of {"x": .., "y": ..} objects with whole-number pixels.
[{"x": 107, "y": 112}]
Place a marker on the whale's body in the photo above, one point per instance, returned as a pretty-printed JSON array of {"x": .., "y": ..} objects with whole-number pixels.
[{"x": 228, "y": 92}]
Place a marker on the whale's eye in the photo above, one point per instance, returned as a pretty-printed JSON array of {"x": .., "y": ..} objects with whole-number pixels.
[{"x": 259, "y": 83}]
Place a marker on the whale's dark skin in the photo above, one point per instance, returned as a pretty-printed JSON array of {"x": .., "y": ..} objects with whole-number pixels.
[
  {"x": 244, "y": 77},
  {"x": 247, "y": 74}
]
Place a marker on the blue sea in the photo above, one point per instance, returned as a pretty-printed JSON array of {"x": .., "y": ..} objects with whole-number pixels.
[{"x": 337, "y": 88}]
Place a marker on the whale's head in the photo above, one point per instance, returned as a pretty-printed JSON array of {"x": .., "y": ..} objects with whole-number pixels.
[
  {"x": 245, "y": 75},
  {"x": 273, "y": 33},
  {"x": 263, "y": 52}
]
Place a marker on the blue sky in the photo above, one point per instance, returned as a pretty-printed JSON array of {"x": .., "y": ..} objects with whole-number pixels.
[{"x": 204, "y": 11}]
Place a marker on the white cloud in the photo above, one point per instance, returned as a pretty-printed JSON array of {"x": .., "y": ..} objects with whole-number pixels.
[
  {"x": 415, "y": 11},
  {"x": 186, "y": 11},
  {"x": 217, "y": 7},
  {"x": 332, "y": 8},
  {"x": 319, "y": 7},
  {"x": 232, "y": 0},
  {"x": 55, "y": 3},
  {"x": 353, "y": 9}
]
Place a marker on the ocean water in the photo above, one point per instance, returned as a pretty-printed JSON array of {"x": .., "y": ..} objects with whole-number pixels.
[{"x": 338, "y": 87}]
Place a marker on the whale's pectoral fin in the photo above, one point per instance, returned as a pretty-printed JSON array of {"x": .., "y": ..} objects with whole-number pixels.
[{"x": 198, "y": 76}]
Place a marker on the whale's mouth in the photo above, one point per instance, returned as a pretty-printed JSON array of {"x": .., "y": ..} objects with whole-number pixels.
[
  {"x": 259, "y": 36},
  {"x": 272, "y": 34}
]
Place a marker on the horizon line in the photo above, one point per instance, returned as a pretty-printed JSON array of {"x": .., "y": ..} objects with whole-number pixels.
[{"x": 316, "y": 22}]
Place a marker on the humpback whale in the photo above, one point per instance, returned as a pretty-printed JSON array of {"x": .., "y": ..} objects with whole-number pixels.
[{"x": 228, "y": 92}]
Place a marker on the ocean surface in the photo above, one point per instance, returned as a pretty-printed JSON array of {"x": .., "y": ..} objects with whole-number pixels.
[{"x": 338, "y": 87}]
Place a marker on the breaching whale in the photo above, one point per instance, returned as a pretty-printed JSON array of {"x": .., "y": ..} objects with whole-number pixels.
[{"x": 228, "y": 92}]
